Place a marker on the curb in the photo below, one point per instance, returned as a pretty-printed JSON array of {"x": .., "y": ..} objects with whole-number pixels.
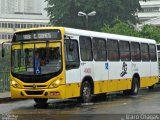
[{"x": 8, "y": 99}]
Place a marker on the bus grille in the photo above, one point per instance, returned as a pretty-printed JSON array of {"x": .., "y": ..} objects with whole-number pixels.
[
  {"x": 34, "y": 92},
  {"x": 37, "y": 86}
]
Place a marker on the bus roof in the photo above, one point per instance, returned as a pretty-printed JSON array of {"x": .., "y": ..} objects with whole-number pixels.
[
  {"x": 79, "y": 32},
  {"x": 38, "y": 28}
]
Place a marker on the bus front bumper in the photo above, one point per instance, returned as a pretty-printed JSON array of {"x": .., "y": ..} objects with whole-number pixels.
[{"x": 55, "y": 93}]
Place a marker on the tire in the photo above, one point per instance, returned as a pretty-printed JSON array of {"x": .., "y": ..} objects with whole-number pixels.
[
  {"x": 134, "y": 89},
  {"x": 135, "y": 86},
  {"x": 86, "y": 92},
  {"x": 40, "y": 101}
]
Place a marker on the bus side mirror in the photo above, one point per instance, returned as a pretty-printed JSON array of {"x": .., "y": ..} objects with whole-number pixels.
[{"x": 3, "y": 52}]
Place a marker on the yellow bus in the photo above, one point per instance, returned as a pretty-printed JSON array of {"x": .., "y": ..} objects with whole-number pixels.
[{"x": 59, "y": 63}]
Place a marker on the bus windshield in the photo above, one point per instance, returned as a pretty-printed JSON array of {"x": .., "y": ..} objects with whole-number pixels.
[{"x": 37, "y": 61}]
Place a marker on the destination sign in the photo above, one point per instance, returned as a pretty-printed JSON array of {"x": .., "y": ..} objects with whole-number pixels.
[{"x": 37, "y": 35}]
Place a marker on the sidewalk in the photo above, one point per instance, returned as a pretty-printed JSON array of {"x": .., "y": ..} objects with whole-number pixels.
[{"x": 5, "y": 97}]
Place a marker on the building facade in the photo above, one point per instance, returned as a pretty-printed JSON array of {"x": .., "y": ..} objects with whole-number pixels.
[
  {"x": 19, "y": 14},
  {"x": 150, "y": 13}
]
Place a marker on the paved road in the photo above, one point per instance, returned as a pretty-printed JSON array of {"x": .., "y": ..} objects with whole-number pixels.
[{"x": 116, "y": 105}]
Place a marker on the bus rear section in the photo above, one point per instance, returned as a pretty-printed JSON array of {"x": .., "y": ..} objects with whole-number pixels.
[{"x": 158, "y": 54}]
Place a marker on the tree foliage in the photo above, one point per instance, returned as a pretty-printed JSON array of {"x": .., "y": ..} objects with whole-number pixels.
[
  {"x": 150, "y": 31},
  {"x": 64, "y": 12},
  {"x": 122, "y": 28}
]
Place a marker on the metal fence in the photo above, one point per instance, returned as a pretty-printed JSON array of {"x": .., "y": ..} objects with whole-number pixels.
[{"x": 4, "y": 81}]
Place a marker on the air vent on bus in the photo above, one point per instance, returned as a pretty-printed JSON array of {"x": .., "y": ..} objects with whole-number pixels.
[{"x": 34, "y": 92}]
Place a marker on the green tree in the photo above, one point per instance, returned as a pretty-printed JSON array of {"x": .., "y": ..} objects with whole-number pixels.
[
  {"x": 151, "y": 32},
  {"x": 121, "y": 28},
  {"x": 64, "y": 12}
]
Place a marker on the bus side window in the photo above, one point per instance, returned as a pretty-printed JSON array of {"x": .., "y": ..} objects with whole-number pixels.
[
  {"x": 153, "y": 53},
  {"x": 145, "y": 52},
  {"x": 124, "y": 50},
  {"x": 135, "y": 51},
  {"x": 71, "y": 54},
  {"x": 86, "y": 48},
  {"x": 99, "y": 49},
  {"x": 113, "y": 50}
]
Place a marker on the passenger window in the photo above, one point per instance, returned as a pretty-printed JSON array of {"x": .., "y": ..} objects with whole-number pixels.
[
  {"x": 86, "y": 48},
  {"x": 124, "y": 51},
  {"x": 145, "y": 52},
  {"x": 113, "y": 50},
  {"x": 99, "y": 49},
  {"x": 153, "y": 54},
  {"x": 71, "y": 54},
  {"x": 135, "y": 51}
]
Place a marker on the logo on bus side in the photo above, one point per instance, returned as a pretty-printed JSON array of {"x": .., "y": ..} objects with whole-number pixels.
[{"x": 124, "y": 70}]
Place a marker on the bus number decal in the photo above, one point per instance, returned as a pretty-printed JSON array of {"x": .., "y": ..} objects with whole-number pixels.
[
  {"x": 124, "y": 70},
  {"x": 106, "y": 66},
  {"x": 87, "y": 70}
]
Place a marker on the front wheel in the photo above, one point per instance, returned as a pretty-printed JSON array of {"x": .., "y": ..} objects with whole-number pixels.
[
  {"x": 40, "y": 101},
  {"x": 86, "y": 92}
]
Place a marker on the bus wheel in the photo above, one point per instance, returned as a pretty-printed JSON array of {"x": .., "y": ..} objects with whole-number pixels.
[
  {"x": 40, "y": 101},
  {"x": 86, "y": 92},
  {"x": 135, "y": 86}
]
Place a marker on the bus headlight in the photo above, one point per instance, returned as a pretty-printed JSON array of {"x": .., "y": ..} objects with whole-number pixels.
[
  {"x": 15, "y": 84},
  {"x": 55, "y": 84}
]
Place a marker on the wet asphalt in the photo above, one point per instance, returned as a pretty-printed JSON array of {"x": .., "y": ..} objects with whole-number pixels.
[{"x": 114, "y": 106}]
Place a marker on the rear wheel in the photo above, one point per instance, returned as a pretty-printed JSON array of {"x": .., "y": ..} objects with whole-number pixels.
[
  {"x": 86, "y": 92},
  {"x": 134, "y": 89},
  {"x": 40, "y": 101},
  {"x": 135, "y": 86}
]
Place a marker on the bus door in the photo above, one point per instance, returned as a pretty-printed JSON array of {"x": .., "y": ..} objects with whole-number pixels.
[
  {"x": 158, "y": 61},
  {"x": 86, "y": 57},
  {"x": 154, "y": 63},
  {"x": 72, "y": 65}
]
